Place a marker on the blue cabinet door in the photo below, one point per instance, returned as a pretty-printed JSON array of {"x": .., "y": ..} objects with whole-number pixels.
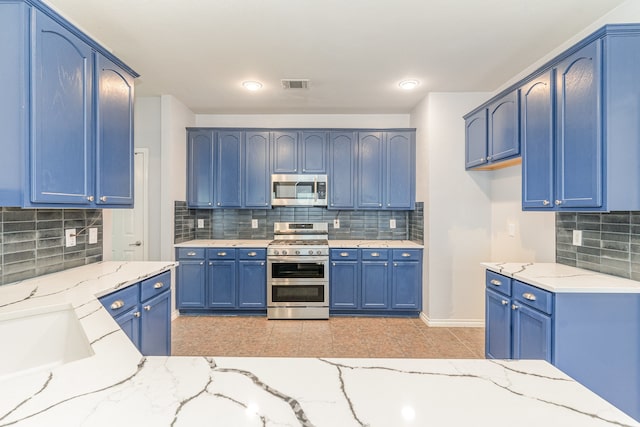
[
  {"x": 476, "y": 139},
  {"x": 343, "y": 285},
  {"x": 531, "y": 333},
  {"x": 313, "y": 152},
  {"x": 191, "y": 284},
  {"x": 285, "y": 152},
  {"x": 61, "y": 168},
  {"x": 579, "y": 181},
  {"x": 342, "y": 170},
  {"x": 114, "y": 135},
  {"x": 155, "y": 326},
  {"x": 252, "y": 284},
  {"x": 228, "y": 169},
  {"x": 370, "y": 170},
  {"x": 400, "y": 170},
  {"x": 504, "y": 129},
  {"x": 257, "y": 180},
  {"x": 222, "y": 284},
  {"x": 129, "y": 322},
  {"x": 200, "y": 168},
  {"x": 537, "y": 142},
  {"x": 498, "y": 326},
  {"x": 405, "y": 285},
  {"x": 375, "y": 287}
]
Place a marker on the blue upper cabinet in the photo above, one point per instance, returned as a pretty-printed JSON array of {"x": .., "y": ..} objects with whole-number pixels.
[
  {"x": 67, "y": 114},
  {"x": 579, "y": 138},
  {"x": 114, "y": 134},
  {"x": 200, "y": 154},
  {"x": 370, "y": 170},
  {"x": 257, "y": 179},
  {"x": 400, "y": 170},
  {"x": 537, "y": 142},
  {"x": 475, "y": 129},
  {"x": 61, "y": 109},
  {"x": 228, "y": 169},
  {"x": 285, "y": 152},
  {"x": 342, "y": 170},
  {"x": 313, "y": 152},
  {"x": 492, "y": 134}
]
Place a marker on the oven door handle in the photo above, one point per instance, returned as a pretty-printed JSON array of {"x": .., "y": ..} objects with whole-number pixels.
[
  {"x": 315, "y": 188},
  {"x": 298, "y": 259}
]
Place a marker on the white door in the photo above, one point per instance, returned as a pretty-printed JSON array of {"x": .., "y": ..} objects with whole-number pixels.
[{"x": 129, "y": 230}]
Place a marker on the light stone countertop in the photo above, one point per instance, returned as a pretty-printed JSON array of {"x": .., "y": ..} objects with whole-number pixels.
[
  {"x": 221, "y": 243},
  {"x": 562, "y": 278},
  {"x": 391, "y": 244},
  {"x": 119, "y": 386},
  {"x": 245, "y": 243}
]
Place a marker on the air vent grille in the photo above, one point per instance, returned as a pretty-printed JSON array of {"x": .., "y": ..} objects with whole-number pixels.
[{"x": 295, "y": 83}]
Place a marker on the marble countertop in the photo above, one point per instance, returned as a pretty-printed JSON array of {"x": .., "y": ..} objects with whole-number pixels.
[
  {"x": 562, "y": 278},
  {"x": 241, "y": 243},
  {"x": 119, "y": 386}
]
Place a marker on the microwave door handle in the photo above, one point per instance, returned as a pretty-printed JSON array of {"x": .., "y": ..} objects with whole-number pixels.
[{"x": 315, "y": 188}]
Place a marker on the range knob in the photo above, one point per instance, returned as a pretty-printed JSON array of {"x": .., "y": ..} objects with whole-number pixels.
[
  {"x": 284, "y": 252},
  {"x": 275, "y": 252},
  {"x": 318, "y": 252},
  {"x": 310, "y": 252},
  {"x": 297, "y": 252}
]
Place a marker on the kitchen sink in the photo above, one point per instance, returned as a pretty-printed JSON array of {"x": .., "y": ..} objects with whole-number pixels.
[{"x": 40, "y": 339}]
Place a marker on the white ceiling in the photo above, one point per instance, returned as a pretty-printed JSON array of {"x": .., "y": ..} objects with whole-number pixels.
[{"x": 354, "y": 51}]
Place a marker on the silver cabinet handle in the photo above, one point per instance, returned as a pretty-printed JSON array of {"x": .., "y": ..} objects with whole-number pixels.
[
  {"x": 504, "y": 302},
  {"x": 344, "y": 253},
  {"x": 395, "y": 264},
  {"x": 90, "y": 198},
  {"x": 529, "y": 296},
  {"x": 222, "y": 254},
  {"x": 147, "y": 308},
  {"x": 375, "y": 254},
  {"x": 385, "y": 264},
  {"x": 209, "y": 203},
  {"x": 191, "y": 253},
  {"x": 136, "y": 314},
  {"x": 334, "y": 264},
  {"x": 252, "y": 254},
  {"x": 406, "y": 254},
  {"x": 117, "y": 304},
  {"x": 489, "y": 158},
  {"x": 496, "y": 282},
  {"x": 379, "y": 204},
  {"x": 515, "y": 307},
  {"x": 482, "y": 159},
  {"x": 158, "y": 285},
  {"x": 210, "y": 263},
  {"x": 558, "y": 202},
  {"x": 262, "y": 263},
  {"x": 218, "y": 203},
  {"x": 545, "y": 203},
  {"x": 202, "y": 263},
  {"x": 103, "y": 198},
  {"x": 138, "y": 243}
]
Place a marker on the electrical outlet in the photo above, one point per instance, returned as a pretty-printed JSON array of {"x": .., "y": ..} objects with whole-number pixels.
[
  {"x": 93, "y": 236},
  {"x": 200, "y": 223},
  {"x": 70, "y": 237},
  {"x": 511, "y": 228},
  {"x": 577, "y": 237},
  {"x": 336, "y": 223},
  {"x": 254, "y": 223},
  {"x": 392, "y": 223}
]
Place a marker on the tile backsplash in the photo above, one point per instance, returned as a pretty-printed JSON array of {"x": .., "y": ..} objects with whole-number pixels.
[
  {"x": 32, "y": 241},
  {"x": 610, "y": 242},
  {"x": 236, "y": 223}
]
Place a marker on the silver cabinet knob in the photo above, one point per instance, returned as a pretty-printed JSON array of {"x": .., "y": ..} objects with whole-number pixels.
[
  {"x": 489, "y": 158},
  {"x": 385, "y": 264},
  {"x": 218, "y": 203},
  {"x": 558, "y": 202},
  {"x": 545, "y": 203},
  {"x": 333, "y": 263},
  {"x": 515, "y": 307},
  {"x": 90, "y": 198},
  {"x": 103, "y": 198},
  {"x": 395, "y": 264},
  {"x": 504, "y": 302},
  {"x": 136, "y": 314},
  {"x": 147, "y": 308},
  {"x": 482, "y": 159},
  {"x": 209, "y": 203},
  {"x": 379, "y": 204},
  {"x": 262, "y": 263}
]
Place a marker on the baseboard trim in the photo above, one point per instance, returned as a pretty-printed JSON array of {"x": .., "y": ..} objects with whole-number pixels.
[{"x": 451, "y": 323}]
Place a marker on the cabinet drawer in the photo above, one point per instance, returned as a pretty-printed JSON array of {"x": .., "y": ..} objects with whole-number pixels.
[
  {"x": 190, "y": 253},
  {"x": 155, "y": 285},
  {"x": 533, "y": 297},
  {"x": 221, "y": 253},
  {"x": 407, "y": 254},
  {"x": 250, "y": 254},
  {"x": 375, "y": 254},
  {"x": 121, "y": 301},
  {"x": 344, "y": 254},
  {"x": 499, "y": 283}
]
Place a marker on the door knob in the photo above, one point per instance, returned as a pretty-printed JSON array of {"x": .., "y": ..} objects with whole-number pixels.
[{"x": 138, "y": 243}]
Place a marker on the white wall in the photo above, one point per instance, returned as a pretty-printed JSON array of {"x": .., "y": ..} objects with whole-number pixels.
[
  {"x": 304, "y": 120},
  {"x": 175, "y": 117}
]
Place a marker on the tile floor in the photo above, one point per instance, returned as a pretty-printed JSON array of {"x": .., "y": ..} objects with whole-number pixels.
[{"x": 336, "y": 337}]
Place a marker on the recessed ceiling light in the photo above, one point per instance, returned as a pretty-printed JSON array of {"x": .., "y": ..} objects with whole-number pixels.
[
  {"x": 408, "y": 84},
  {"x": 252, "y": 85}
]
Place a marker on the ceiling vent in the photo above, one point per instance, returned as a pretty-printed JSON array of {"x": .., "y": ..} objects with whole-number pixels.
[{"x": 295, "y": 83}]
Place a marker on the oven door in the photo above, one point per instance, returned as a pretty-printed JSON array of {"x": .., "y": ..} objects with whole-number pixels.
[{"x": 297, "y": 281}]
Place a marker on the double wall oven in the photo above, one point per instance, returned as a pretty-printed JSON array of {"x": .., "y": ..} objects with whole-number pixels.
[{"x": 298, "y": 271}]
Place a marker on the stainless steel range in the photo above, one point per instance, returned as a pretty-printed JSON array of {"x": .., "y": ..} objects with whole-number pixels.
[{"x": 298, "y": 271}]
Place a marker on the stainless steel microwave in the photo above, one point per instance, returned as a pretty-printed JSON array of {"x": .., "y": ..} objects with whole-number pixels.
[{"x": 298, "y": 190}]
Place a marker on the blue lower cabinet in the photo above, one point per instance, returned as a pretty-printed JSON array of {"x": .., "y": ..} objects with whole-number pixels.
[
  {"x": 343, "y": 282},
  {"x": 143, "y": 311},
  {"x": 252, "y": 284},
  {"x": 531, "y": 333},
  {"x": 406, "y": 277},
  {"x": 375, "y": 285},
  {"x": 221, "y": 284},
  {"x": 498, "y": 325}
]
